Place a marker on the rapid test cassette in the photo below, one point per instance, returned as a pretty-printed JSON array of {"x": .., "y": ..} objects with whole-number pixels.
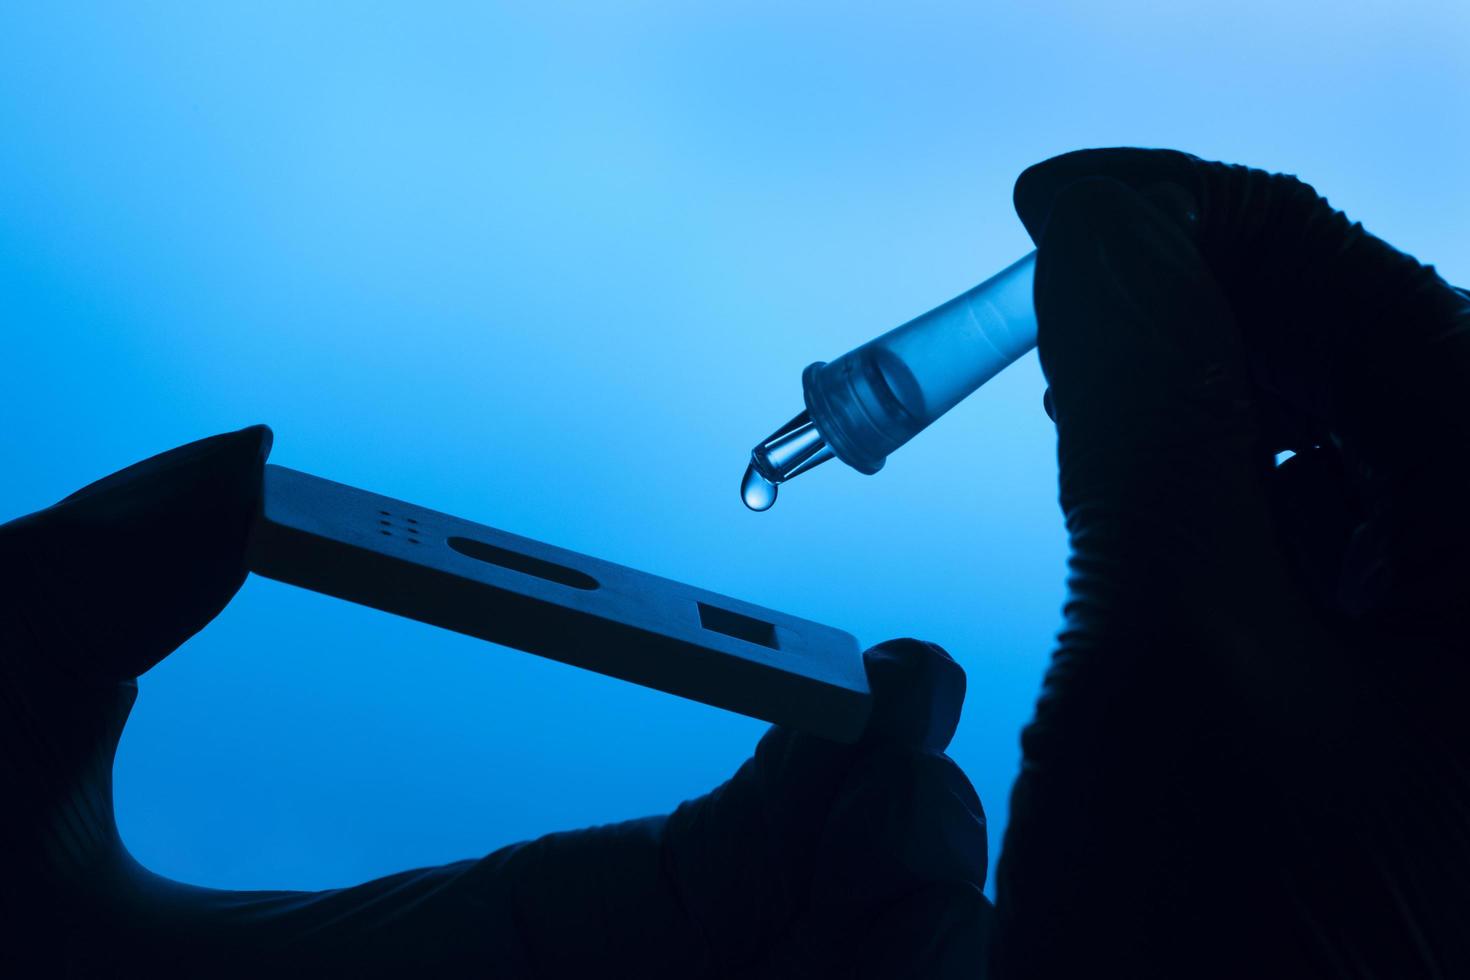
[{"x": 518, "y": 592}]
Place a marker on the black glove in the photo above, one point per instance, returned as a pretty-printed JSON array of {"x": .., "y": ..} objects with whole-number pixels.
[
  {"x": 1249, "y": 756},
  {"x": 815, "y": 859}
]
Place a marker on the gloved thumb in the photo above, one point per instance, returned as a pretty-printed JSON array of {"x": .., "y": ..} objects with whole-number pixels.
[
  {"x": 131, "y": 566},
  {"x": 918, "y": 690}
]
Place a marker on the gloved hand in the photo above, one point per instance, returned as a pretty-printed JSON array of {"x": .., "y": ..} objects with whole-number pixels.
[
  {"x": 815, "y": 859},
  {"x": 1248, "y": 758}
]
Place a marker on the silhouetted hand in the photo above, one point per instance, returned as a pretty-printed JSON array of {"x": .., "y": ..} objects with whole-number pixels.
[
  {"x": 1249, "y": 755},
  {"x": 825, "y": 860},
  {"x": 814, "y": 860}
]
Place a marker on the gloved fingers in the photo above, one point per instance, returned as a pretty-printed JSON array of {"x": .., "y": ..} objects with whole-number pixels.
[
  {"x": 1136, "y": 340},
  {"x": 1363, "y": 545},
  {"x": 745, "y": 855},
  {"x": 918, "y": 692},
  {"x": 940, "y": 932},
  {"x": 899, "y": 875},
  {"x": 791, "y": 781},
  {"x": 131, "y": 566},
  {"x": 1315, "y": 501},
  {"x": 1346, "y": 329},
  {"x": 904, "y": 820},
  {"x": 1253, "y": 229},
  {"x": 1283, "y": 428},
  {"x": 1315, "y": 508},
  {"x": 741, "y": 855},
  {"x": 1349, "y": 341},
  {"x": 1161, "y": 464},
  {"x": 1167, "y": 175},
  {"x": 901, "y": 868}
]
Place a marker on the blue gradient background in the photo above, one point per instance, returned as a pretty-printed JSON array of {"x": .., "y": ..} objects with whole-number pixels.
[{"x": 557, "y": 267}]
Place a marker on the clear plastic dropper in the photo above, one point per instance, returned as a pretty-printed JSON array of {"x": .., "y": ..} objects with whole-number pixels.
[{"x": 873, "y": 399}]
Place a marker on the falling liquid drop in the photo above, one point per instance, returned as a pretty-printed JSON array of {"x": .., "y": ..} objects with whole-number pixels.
[{"x": 757, "y": 492}]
